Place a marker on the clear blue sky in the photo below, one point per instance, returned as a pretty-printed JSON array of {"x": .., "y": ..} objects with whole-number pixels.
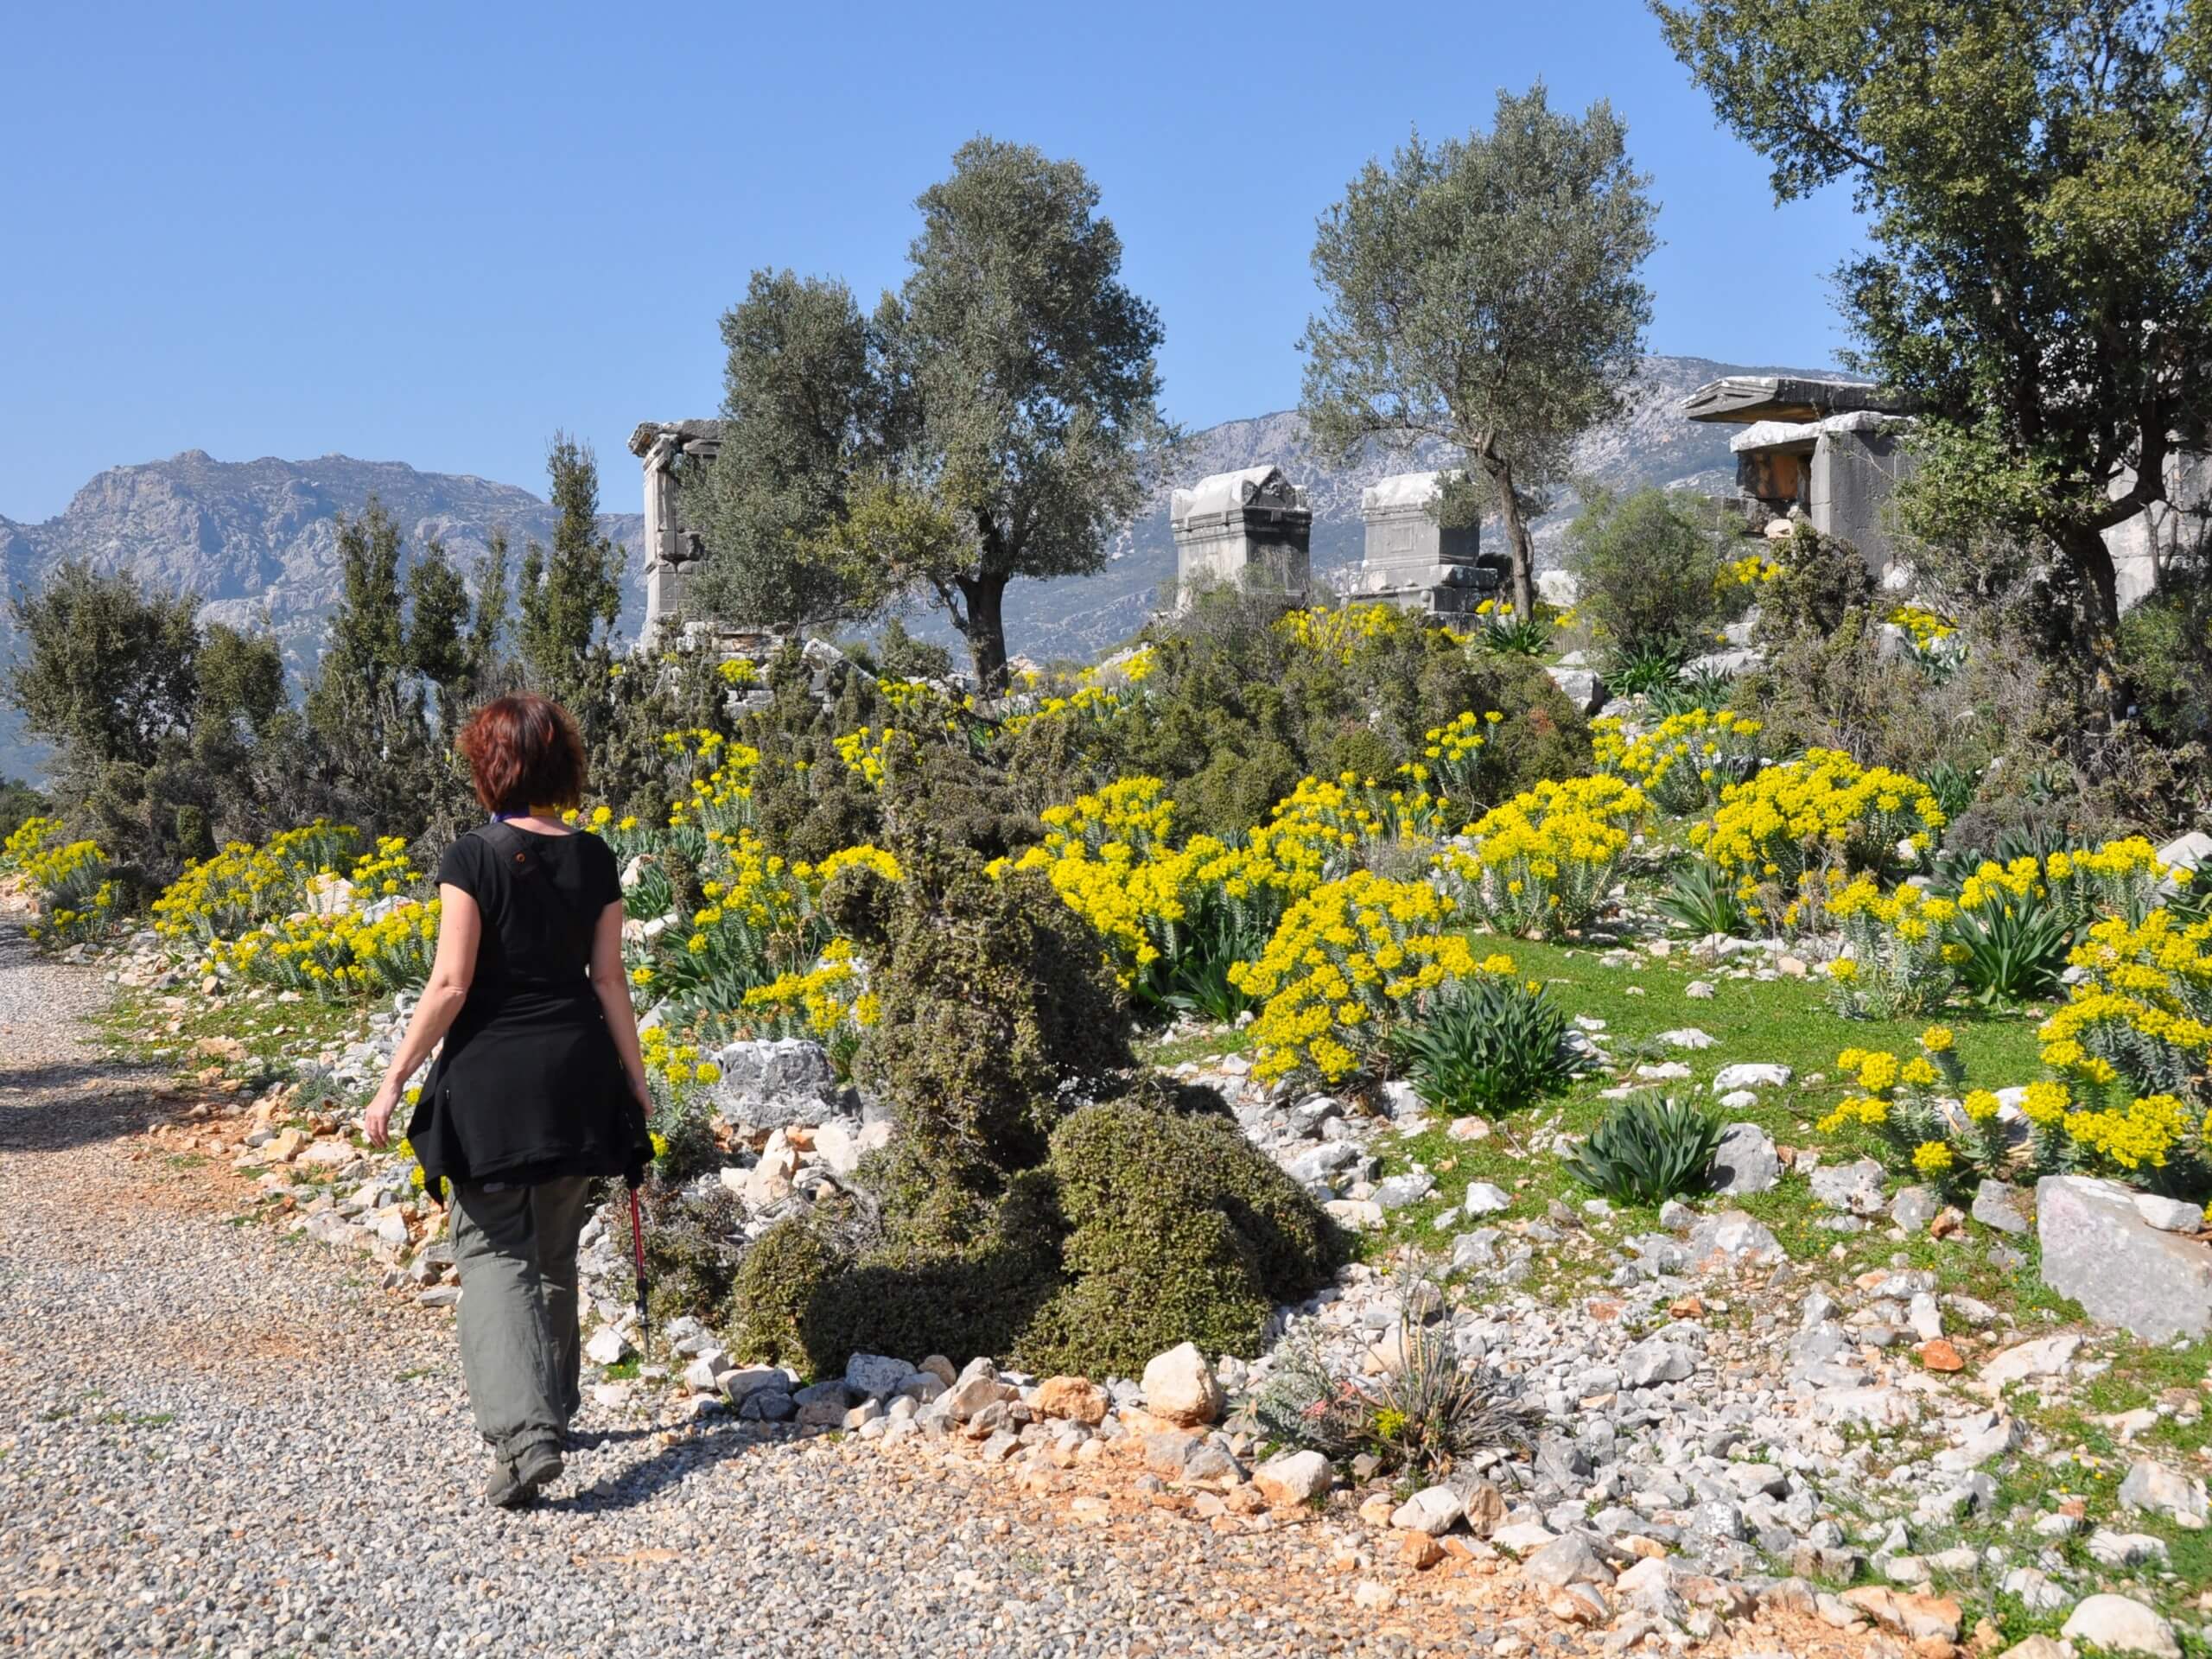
[{"x": 435, "y": 233}]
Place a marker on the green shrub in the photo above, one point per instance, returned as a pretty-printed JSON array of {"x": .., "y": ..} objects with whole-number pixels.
[
  {"x": 694, "y": 1240},
  {"x": 1179, "y": 1230},
  {"x": 1150, "y": 1226},
  {"x": 1648, "y": 1148},
  {"x": 1649, "y": 668},
  {"x": 1486, "y": 1043},
  {"x": 1236, "y": 710},
  {"x": 996, "y": 1012},
  {"x": 2011, "y": 949},
  {"x": 1514, "y": 635},
  {"x": 811, "y": 1293},
  {"x": 1693, "y": 689},
  {"x": 1651, "y": 566}
]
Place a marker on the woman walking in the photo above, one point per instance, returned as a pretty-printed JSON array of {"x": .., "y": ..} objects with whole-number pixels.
[{"x": 539, "y": 1087}]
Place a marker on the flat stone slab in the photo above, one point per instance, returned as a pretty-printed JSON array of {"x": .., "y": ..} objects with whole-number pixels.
[{"x": 2098, "y": 1249}]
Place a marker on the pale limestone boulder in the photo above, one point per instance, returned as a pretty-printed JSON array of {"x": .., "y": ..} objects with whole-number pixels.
[{"x": 1179, "y": 1386}]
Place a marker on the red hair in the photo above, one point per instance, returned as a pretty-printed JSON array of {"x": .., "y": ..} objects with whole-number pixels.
[{"x": 524, "y": 752}]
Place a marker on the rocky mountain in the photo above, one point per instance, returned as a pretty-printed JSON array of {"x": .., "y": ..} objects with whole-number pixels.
[{"x": 257, "y": 539}]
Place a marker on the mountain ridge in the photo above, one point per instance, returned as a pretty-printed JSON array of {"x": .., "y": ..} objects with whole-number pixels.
[{"x": 257, "y": 540}]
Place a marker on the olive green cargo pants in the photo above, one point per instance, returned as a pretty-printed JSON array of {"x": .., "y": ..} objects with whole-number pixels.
[{"x": 516, "y": 1247}]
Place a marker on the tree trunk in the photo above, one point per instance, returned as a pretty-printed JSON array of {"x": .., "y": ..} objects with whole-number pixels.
[
  {"x": 2085, "y": 550},
  {"x": 984, "y": 598},
  {"x": 1519, "y": 547}
]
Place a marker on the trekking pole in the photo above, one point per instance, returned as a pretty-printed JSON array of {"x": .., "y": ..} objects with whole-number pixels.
[{"x": 637, "y": 1251}]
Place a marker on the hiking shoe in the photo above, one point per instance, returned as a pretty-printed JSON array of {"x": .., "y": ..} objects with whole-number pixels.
[{"x": 513, "y": 1484}]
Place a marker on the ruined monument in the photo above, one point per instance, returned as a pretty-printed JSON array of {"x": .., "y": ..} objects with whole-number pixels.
[
  {"x": 666, "y": 448},
  {"x": 1413, "y": 561},
  {"x": 1833, "y": 448},
  {"x": 1252, "y": 530},
  {"x": 1836, "y": 449}
]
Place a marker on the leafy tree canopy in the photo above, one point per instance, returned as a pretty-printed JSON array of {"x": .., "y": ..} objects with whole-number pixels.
[
  {"x": 1485, "y": 291},
  {"x": 2036, "y": 176},
  {"x": 991, "y": 420}
]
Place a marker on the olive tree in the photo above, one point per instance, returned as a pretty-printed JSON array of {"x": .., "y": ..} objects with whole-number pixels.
[
  {"x": 2036, "y": 178},
  {"x": 993, "y": 420},
  {"x": 1483, "y": 292}
]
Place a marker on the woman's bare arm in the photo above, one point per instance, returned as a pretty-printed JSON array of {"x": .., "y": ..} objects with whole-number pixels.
[
  {"x": 460, "y": 927},
  {"x": 612, "y": 986}
]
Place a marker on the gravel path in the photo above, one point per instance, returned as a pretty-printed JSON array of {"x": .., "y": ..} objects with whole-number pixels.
[{"x": 215, "y": 1438}]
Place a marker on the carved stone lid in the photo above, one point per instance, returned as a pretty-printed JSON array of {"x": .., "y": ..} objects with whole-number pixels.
[
  {"x": 1260, "y": 488},
  {"x": 650, "y": 432},
  {"x": 1741, "y": 398},
  {"x": 1802, "y": 437},
  {"x": 1399, "y": 492}
]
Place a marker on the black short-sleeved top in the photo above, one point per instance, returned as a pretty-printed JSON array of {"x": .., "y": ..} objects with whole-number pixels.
[{"x": 529, "y": 1085}]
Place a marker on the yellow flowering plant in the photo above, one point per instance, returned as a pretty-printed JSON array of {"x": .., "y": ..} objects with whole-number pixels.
[
  {"x": 829, "y": 1002},
  {"x": 34, "y": 835},
  {"x": 1913, "y": 1104},
  {"x": 1340, "y": 633},
  {"x": 70, "y": 884},
  {"x": 1173, "y": 917},
  {"x": 1352, "y": 960},
  {"x": 2105, "y": 1111},
  {"x": 1896, "y": 957},
  {"x": 1795, "y": 832},
  {"x": 242, "y": 886},
  {"x": 1541, "y": 864},
  {"x": 1683, "y": 764}
]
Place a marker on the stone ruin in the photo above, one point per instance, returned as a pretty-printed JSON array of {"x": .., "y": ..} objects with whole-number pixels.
[
  {"x": 1832, "y": 449},
  {"x": 672, "y": 549},
  {"x": 1411, "y": 561},
  {"x": 1252, "y": 530},
  {"x": 1834, "y": 452}
]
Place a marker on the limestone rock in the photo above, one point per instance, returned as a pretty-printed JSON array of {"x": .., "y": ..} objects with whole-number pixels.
[
  {"x": 1996, "y": 1205},
  {"x": 2026, "y": 1361},
  {"x": 1400, "y": 1191},
  {"x": 607, "y": 1346},
  {"x": 1856, "y": 1188},
  {"x": 1076, "y": 1399},
  {"x": 1293, "y": 1478},
  {"x": 1732, "y": 1239},
  {"x": 1914, "y": 1617},
  {"x": 876, "y": 1376},
  {"x": 1580, "y": 687},
  {"x": 1914, "y": 1207},
  {"x": 1656, "y": 1361},
  {"x": 1486, "y": 1199},
  {"x": 775, "y": 1084},
  {"x": 2098, "y": 1249},
  {"x": 2167, "y": 1215},
  {"x": 1565, "y": 1561},
  {"x": 2121, "y": 1624},
  {"x": 1433, "y": 1509},
  {"x": 1746, "y": 1160},
  {"x": 1732, "y": 1077},
  {"x": 2154, "y": 1487},
  {"x": 1179, "y": 1386}
]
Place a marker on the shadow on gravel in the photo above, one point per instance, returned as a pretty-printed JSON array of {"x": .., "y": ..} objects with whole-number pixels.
[
  {"x": 61, "y": 1104},
  {"x": 639, "y": 1483}
]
